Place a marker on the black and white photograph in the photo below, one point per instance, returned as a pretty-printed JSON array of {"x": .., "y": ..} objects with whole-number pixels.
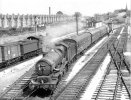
[{"x": 65, "y": 49}]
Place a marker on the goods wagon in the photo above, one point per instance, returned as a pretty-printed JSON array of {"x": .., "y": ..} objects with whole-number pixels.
[
  {"x": 29, "y": 48},
  {"x": 11, "y": 53}
]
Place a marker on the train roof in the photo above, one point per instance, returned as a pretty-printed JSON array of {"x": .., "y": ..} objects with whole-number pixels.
[
  {"x": 81, "y": 36},
  {"x": 93, "y": 31}
]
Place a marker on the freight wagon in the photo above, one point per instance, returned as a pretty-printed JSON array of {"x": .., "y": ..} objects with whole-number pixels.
[{"x": 12, "y": 53}]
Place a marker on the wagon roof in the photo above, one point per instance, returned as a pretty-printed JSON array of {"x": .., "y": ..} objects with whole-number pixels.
[
  {"x": 35, "y": 37},
  {"x": 9, "y": 44},
  {"x": 27, "y": 41}
]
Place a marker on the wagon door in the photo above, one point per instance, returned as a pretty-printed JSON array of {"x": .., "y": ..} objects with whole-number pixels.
[
  {"x": 7, "y": 52},
  {"x": 15, "y": 51}
]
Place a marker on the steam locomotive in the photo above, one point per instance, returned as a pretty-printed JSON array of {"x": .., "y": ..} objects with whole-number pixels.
[{"x": 51, "y": 68}]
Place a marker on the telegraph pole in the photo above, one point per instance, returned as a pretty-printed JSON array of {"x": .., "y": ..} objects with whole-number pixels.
[
  {"x": 36, "y": 20},
  {"x": 76, "y": 18}
]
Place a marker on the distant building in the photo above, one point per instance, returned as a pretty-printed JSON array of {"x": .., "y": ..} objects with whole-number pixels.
[
  {"x": 59, "y": 13},
  {"x": 99, "y": 24},
  {"x": 90, "y": 22}
]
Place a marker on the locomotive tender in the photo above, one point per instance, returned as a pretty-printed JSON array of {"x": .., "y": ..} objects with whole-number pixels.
[{"x": 50, "y": 69}]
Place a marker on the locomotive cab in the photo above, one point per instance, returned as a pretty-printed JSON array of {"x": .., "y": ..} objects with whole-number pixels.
[{"x": 70, "y": 48}]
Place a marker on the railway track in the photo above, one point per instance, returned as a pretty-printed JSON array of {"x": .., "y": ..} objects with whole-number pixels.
[
  {"x": 112, "y": 86},
  {"x": 75, "y": 87},
  {"x": 16, "y": 90}
]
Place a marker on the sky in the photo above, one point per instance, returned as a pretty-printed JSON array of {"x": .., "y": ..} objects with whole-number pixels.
[{"x": 86, "y": 7}]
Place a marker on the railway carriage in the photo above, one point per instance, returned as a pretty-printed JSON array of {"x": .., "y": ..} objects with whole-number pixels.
[
  {"x": 83, "y": 41},
  {"x": 103, "y": 30},
  {"x": 96, "y": 34}
]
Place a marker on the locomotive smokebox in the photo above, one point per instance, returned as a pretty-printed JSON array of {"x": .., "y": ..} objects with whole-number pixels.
[{"x": 43, "y": 68}]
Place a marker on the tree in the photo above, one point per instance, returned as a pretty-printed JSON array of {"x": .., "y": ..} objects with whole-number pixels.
[
  {"x": 59, "y": 13},
  {"x": 77, "y": 14}
]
